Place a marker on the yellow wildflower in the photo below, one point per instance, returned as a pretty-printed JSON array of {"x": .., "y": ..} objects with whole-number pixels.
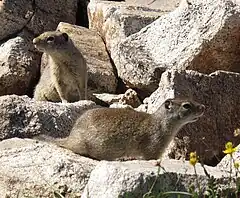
[
  {"x": 193, "y": 158},
  {"x": 229, "y": 148}
]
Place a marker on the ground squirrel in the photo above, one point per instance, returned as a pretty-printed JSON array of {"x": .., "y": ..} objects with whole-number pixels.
[
  {"x": 66, "y": 77},
  {"x": 115, "y": 133}
]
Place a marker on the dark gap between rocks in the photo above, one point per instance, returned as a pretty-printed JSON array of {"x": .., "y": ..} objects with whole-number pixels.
[{"x": 81, "y": 15}]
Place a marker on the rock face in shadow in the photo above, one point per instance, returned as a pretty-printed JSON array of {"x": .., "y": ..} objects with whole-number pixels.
[
  {"x": 14, "y": 16},
  {"x": 37, "y": 16},
  {"x": 198, "y": 35},
  {"x": 219, "y": 92},
  {"x": 49, "y": 13}
]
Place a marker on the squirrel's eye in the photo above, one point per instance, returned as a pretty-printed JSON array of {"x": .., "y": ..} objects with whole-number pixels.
[
  {"x": 186, "y": 106},
  {"x": 50, "y": 39}
]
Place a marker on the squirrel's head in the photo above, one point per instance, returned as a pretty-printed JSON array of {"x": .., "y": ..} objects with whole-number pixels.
[
  {"x": 182, "y": 111},
  {"x": 51, "y": 41}
]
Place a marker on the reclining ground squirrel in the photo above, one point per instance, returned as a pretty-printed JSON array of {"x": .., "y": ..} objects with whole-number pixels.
[
  {"x": 118, "y": 133},
  {"x": 65, "y": 79}
]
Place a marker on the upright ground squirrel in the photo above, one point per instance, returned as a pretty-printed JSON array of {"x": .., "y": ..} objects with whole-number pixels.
[{"x": 66, "y": 78}]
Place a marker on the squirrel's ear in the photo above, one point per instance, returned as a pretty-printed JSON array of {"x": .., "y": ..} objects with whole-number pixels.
[
  {"x": 168, "y": 104},
  {"x": 65, "y": 35}
]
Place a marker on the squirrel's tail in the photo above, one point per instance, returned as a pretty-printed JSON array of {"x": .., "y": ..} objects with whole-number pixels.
[{"x": 45, "y": 138}]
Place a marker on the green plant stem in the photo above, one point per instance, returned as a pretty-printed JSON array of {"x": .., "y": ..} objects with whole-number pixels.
[
  {"x": 150, "y": 191},
  {"x": 236, "y": 177},
  {"x": 177, "y": 193},
  {"x": 230, "y": 171},
  {"x": 197, "y": 181}
]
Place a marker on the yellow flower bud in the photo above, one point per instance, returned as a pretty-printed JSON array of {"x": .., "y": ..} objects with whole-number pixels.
[{"x": 193, "y": 158}]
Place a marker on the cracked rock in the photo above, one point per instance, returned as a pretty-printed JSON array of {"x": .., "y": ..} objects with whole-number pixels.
[
  {"x": 198, "y": 35},
  {"x": 117, "y": 20},
  {"x": 219, "y": 92}
]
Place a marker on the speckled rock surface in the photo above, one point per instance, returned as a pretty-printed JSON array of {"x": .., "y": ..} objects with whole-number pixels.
[
  {"x": 14, "y": 16},
  {"x": 37, "y": 169},
  {"x": 19, "y": 66},
  {"x": 117, "y": 20},
  {"x": 135, "y": 178},
  {"x": 155, "y": 4},
  {"x": 37, "y": 16},
  {"x": 21, "y": 116},
  {"x": 198, "y": 35},
  {"x": 32, "y": 168}
]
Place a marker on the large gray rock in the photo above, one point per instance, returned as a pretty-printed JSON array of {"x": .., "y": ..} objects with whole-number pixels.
[
  {"x": 101, "y": 77},
  {"x": 21, "y": 116},
  {"x": 219, "y": 92},
  {"x": 199, "y": 35},
  {"x": 135, "y": 178},
  {"x": 19, "y": 65},
  {"x": 14, "y": 16},
  {"x": 49, "y": 13},
  {"x": 155, "y": 4},
  {"x": 36, "y": 169},
  {"x": 117, "y": 20},
  {"x": 37, "y": 16}
]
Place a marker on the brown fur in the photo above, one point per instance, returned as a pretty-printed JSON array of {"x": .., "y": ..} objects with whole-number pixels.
[{"x": 115, "y": 133}]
